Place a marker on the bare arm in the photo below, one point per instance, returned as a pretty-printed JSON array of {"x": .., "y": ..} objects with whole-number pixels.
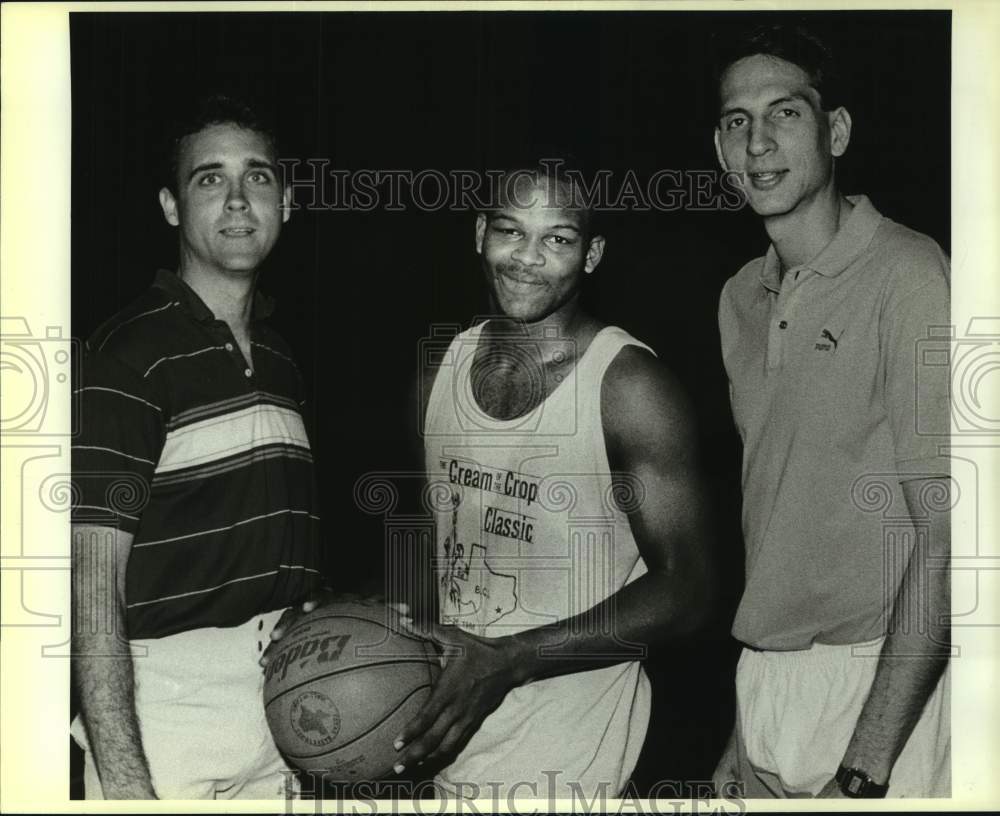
[
  {"x": 649, "y": 435},
  {"x": 917, "y": 646},
  {"x": 916, "y": 649},
  {"x": 103, "y": 661}
]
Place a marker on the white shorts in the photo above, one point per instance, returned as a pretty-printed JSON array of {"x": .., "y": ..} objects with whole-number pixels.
[
  {"x": 199, "y": 700},
  {"x": 796, "y": 713}
]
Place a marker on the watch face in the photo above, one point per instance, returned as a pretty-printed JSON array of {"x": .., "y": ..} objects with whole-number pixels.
[{"x": 858, "y": 784}]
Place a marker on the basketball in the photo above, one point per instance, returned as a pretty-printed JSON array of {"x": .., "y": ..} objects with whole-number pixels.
[{"x": 341, "y": 686}]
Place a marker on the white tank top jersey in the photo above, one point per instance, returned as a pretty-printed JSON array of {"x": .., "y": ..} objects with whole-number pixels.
[{"x": 529, "y": 532}]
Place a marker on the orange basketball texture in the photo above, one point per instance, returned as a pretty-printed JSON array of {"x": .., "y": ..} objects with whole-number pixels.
[{"x": 340, "y": 687}]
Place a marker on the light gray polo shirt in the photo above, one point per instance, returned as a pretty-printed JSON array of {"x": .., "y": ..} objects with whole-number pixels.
[{"x": 838, "y": 400}]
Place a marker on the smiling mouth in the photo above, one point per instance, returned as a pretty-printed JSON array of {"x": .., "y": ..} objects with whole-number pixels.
[
  {"x": 765, "y": 179},
  {"x": 237, "y": 232},
  {"x": 517, "y": 284}
]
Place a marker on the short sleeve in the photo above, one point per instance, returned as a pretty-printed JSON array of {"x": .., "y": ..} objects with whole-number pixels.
[
  {"x": 725, "y": 315},
  {"x": 119, "y": 443},
  {"x": 916, "y": 337}
]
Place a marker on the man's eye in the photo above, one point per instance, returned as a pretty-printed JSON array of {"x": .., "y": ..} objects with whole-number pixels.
[
  {"x": 508, "y": 231},
  {"x": 560, "y": 240},
  {"x": 260, "y": 177},
  {"x": 735, "y": 122},
  {"x": 787, "y": 113},
  {"x": 208, "y": 179}
]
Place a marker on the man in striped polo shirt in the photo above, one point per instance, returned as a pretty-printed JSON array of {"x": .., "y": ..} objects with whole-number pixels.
[{"x": 194, "y": 522}]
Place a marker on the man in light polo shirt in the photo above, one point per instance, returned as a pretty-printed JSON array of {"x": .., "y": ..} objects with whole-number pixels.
[
  {"x": 842, "y": 689},
  {"x": 194, "y": 514}
]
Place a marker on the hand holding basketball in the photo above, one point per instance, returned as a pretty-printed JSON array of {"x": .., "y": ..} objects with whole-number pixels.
[
  {"x": 317, "y": 600},
  {"x": 343, "y": 681},
  {"x": 478, "y": 672}
]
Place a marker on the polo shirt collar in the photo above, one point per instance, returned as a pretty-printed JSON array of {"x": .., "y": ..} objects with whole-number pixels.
[
  {"x": 263, "y": 306},
  {"x": 850, "y": 241}
]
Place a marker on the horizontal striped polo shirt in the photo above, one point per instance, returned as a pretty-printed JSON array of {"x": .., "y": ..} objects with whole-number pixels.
[{"x": 203, "y": 459}]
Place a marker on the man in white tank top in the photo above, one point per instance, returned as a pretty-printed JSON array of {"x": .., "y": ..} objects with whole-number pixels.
[{"x": 571, "y": 522}]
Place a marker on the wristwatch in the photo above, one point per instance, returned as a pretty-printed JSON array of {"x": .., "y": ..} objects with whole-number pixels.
[{"x": 855, "y": 783}]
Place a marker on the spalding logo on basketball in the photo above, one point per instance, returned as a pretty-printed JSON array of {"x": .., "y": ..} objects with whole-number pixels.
[{"x": 341, "y": 685}]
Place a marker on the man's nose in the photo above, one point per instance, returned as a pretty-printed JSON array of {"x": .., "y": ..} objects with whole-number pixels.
[
  {"x": 236, "y": 200},
  {"x": 528, "y": 254},
  {"x": 761, "y": 139}
]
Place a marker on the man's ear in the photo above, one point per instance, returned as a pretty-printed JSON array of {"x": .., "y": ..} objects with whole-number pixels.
[
  {"x": 594, "y": 253},
  {"x": 169, "y": 206},
  {"x": 718, "y": 150},
  {"x": 480, "y": 232},
  {"x": 286, "y": 204},
  {"x": 840, "y": 131}
]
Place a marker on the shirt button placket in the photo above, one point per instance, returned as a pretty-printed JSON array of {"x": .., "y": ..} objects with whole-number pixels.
[
  {"x": 230, "y": 348},
  {"x": 774, "y": 343},
  {"x": 779, "y": 324}
]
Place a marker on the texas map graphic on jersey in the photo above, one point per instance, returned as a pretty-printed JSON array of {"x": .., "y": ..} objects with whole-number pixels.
[{"x": 473, "y": 594}]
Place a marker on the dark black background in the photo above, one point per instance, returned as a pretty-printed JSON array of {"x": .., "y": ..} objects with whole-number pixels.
[{"x": 358, "y": 290}]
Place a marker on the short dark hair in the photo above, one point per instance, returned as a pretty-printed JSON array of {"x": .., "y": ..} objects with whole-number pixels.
[
  {"x": 557, "y": 171},
  {"x": 208, "y": 110},
  {"x": 793, "y": 43}
]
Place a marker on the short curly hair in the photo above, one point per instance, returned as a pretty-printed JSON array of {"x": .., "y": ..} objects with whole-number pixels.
[{"x": 566, "y": 172}]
